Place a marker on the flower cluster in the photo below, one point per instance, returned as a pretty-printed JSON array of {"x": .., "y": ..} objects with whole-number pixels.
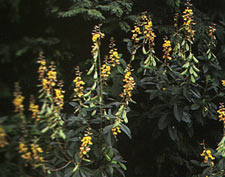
[
  {"x": 105, "y": 69},
  {"x": 42, "y": 68},
  {"x": 86, "y": 143},
  {"x": 167, "y": 49},
  {"x": 114, "y": 57},
  {"x": 221, "y": 112},
  {"x": 47, "y": 75},
  {"x": 223, "y": 83},
  {"x": 188, "y": 21},
  {"x": 3, "y": 141},
  {"x": 128, "y": 87},
  {"x": 31, "y": 153},
  {"x": 18, "y": 100},
  {"x": 79, "y": 84},
  {"x": 144, "y": 29},
  {"x": 34, "y": 109},
  {"x": 59, "y": 95},
  {"x": 208, "y": 156},
  {"x": 212, "y": 30},
  {"x": 97, "y": 34},
  {"x": 116, "y": 129}
]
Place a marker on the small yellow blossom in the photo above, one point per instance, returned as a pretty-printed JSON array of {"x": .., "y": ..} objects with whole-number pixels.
[{"x": 223, "y": 82}]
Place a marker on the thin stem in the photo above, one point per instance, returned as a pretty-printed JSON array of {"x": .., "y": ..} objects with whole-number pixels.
[{"x": 100, "y": 86}]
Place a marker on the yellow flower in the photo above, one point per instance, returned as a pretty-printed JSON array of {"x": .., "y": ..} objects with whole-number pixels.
[
  {"x": 144, "y": 29},
  {"x": 207, "y": 155},
  {"x": 128, "y": 86},
  {"x": 79, "y": 83},
  {"x": 114, "y": 57},
  {"x": 188, "y": 21},
  {"x": 18, "y": 100},
  {"x": 167, "y": 49},
  {"x": 86, "y": 143},
  {"x": 223, "y": 82},
  {"x": 3, "y": 141}
]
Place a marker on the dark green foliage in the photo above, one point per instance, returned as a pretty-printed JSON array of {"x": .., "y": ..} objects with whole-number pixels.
[{"x": 167, "y": 125}]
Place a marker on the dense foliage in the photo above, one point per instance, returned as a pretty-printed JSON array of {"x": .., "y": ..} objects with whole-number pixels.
[{"x": 163, "y": 71}]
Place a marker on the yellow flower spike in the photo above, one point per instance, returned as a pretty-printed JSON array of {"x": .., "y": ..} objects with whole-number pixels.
[
  {"x": 3, "y": 141},
  {"x": 59, "y": 95},
  {"x": 86, "y": 143},
  {"x": 105, "y": 69},
  {"x": 18, "y": 100},
  {"x": 34, "y": 109},
  {"x": 114, "y": 58},
  {"x": 128, "y": 86},
  {"x": 97, "y": 34},
  {"x": 167, "y": 49},
  {"x": 79, "y": 84},
  {"x": 188, "y": 21},
  {"x": 221, "y": 112},
  {"x": 207, "y": 154}
]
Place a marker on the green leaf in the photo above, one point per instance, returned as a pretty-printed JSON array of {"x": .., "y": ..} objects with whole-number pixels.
[
  {"x": 173, "y": 133},
  {"x": 107, "y": 129},
  {"x": 195, "y": 106},
  {"x": 186, "y": 65},
  {"x": 126, "y": 130},
  {"x": 61, "y": 134},
  {"x": 192, "y": 79},
  {"x": 123, "y": 166},
  {"x": 163, "y": 121},
  {"x": 68, "y": 172},
  {"x": 176, "y": 113},
  {"x": 186, "y": 117}
]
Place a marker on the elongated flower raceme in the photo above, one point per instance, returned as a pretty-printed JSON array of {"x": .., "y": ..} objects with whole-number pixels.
[
  {"x": 221, "y": 112},
  {"x": 3, "y": 141},
  {"x": 212, "y": 30},
  {"x": 116, "y": 129},
  {"x": 18, "y": 100},
  {"x": 105, "y": 69},
  {"x": 78, "y": 84},
  {"x": 34, "y": 108},
  {"x": 114, "y": 58},
  {"x": 47, "y": 75},
  {"x": 207, "y": 154},
  {"x": 143, "y": 29},
  {"x": 128, "y": 86},
  {"x": 86, "y": 142},
  {"x": 167, "y": 49},
  {"x": 31, "y": 153},
  {"x": 188, "y": 23},
  {"x": 59, "y": 95},
  {"x": 96, "y": 36}
]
